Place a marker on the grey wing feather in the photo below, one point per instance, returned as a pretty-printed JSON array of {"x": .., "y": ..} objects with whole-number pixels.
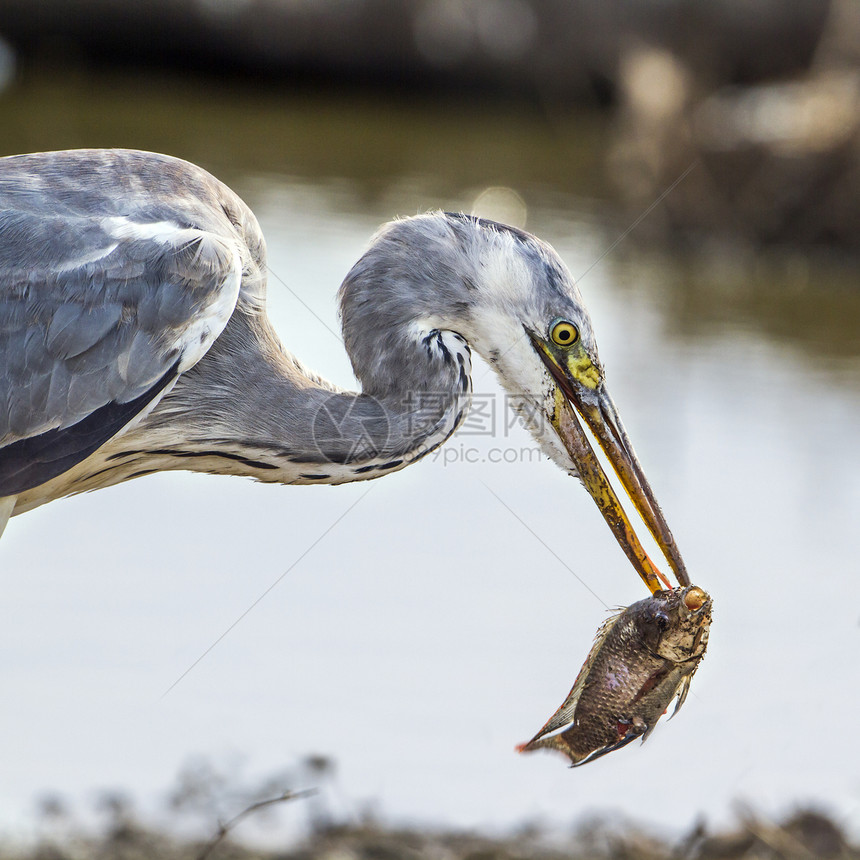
[{"x": 104, "y": 295}]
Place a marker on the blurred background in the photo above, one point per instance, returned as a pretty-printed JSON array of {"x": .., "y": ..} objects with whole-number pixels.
[{"x": 698, "y": 168}]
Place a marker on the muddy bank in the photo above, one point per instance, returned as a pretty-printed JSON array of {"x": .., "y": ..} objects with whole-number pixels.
[{"x": 804, "y": 835}]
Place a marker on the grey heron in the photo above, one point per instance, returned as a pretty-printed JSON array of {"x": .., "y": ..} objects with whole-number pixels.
[{"x": 134, "y": 339}]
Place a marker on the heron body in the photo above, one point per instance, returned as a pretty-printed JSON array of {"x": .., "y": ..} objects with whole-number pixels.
[{"x": 134, "y": 339}]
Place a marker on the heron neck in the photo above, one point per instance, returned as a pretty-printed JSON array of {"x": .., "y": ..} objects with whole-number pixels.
[
  {"x": 270, "y": 418},
  {"x": 257, "y": 411}
]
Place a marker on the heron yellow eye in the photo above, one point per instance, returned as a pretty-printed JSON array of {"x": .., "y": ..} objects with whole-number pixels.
[{"x": 564, "y": 333}]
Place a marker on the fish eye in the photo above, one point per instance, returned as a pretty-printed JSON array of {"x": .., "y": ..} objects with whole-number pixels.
[
  {"x": 661, "y": 619},
  {"x": 695, "y": 598},
  {"x": 564, "y": 333}
]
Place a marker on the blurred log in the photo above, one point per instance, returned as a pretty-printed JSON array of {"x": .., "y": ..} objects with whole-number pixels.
[
  {"x": 773, "y": 164},
  {"x": 547, "y": 50}
]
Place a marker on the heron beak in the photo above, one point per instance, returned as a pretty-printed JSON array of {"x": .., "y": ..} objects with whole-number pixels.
[{"x": 579, "y": 386}]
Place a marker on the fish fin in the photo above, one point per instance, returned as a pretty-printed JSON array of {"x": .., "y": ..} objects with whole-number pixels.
[
  {"x": 681, "y": 696},
  {"x": 558, "y": 743},
  {"x": 602, "y": 751},
  {"x": 648, "y": 729},
  {"x": 564, "y": 715}
]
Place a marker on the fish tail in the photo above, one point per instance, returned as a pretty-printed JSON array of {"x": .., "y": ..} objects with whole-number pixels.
[{"x": 554, "y": 742}]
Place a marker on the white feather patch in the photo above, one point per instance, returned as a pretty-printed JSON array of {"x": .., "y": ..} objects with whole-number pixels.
[
  {"x": 201, "y": 332},
  {"x": 215, "y": 257}
]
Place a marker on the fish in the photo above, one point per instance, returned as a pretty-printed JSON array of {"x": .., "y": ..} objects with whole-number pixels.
[{"x": 642, "y": 658}]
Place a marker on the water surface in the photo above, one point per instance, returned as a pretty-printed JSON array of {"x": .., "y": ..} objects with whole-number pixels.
[{"x": 429, "y": 631}]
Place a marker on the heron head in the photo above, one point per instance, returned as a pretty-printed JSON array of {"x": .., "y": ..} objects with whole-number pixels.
[
  {"x": 529, "y": 321},
  {"x": 513, "y": 299}
]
